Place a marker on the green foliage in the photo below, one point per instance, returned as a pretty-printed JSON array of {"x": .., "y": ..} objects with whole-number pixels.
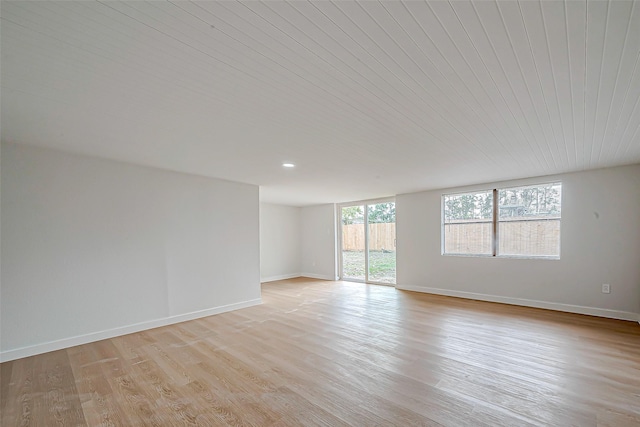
[
  {"x": 352, "y": 215},
  {"x": 382, "y": 212},
  {"x": 468, "y": 206},
  {"x": 541, "y": 200},
  {"x": 382, "y": 266},
  {"x": 527, "y": 201}
]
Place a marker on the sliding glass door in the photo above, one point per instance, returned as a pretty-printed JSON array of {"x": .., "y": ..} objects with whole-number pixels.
[
  {"x": 381, "y": 243},
  {"x": 353, "y": 243},
  {"x": 368, "y": 242}
]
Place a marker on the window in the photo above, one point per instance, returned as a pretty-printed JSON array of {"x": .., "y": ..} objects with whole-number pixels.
[
  {"x": 529, "y": 221},
  {"x": 511, "y": 222},
  {"x": 468, "y": 223}
]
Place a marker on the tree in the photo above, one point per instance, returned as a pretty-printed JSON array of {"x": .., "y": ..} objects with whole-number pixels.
[
  {"x": 538, "y": 200},
  {"x": 468, "y": 206},
  {"x": 486, "y": 204},
  {"x": 352, "y": 215},
  {"x": 382, "y": 212}
]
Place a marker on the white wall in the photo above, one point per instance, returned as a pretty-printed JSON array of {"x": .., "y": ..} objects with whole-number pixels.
[
  {"x": 600, "y": 243},
  {"x": 280, "y": 242},
  {"x": 319, "y": 256},
  {"x": 94, "y": 248}
]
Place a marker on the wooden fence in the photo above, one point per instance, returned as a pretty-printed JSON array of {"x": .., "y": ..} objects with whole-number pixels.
[
  {"x": 516, "y": 237},
  {"x": 381, "y": 236},
  {"x": 519, "y": 237}
]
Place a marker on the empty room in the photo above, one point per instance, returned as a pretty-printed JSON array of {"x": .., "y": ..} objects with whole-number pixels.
[{"x": 320, "y": 213}]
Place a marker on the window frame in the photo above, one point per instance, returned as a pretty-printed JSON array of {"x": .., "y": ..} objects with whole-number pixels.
[
  {"x": 338, "y": 216},
  {"x": 443, "y": 223},
  {"x": 495, "y": 237}
]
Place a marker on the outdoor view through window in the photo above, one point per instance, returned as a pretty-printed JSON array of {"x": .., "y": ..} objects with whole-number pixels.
[
  {"x": 527, "y": 222},
  {"x": 369, "y": 242}
]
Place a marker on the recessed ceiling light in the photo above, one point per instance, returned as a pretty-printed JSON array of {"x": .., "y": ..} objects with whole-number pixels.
[{"x": 288, "y": 165}]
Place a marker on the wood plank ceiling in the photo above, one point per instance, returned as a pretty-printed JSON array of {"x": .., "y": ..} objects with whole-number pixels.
[{"x": 368, "y": 99}]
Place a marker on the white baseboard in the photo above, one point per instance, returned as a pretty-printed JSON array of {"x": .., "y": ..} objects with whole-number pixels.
[
  {"x": 591, "y": 311},
  {"x": 296, "y": 275},
  {"x": 19, "y": 353},
  {"x": 317, "y": 276},
  {"x": 280, "y": 277}
]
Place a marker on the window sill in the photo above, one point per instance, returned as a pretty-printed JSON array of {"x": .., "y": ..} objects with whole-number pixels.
[{"x": 551, "y": 258}]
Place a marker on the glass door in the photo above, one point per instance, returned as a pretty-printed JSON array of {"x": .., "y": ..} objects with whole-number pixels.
[
  {"x": 368, "y": 243},
  {"x": 353, "y": 243},
  {"x": 381, "y": 240}
]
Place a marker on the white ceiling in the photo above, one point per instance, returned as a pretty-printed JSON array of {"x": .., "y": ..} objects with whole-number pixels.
[{"x": 368, "y": 99}]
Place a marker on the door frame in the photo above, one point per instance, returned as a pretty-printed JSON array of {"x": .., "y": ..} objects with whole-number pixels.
[{"x": 365, "y": 204}]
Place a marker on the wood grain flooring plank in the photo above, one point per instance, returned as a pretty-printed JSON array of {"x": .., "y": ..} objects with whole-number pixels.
[
  {"x": 54, "y": 384},
  {"x": 22, "y": 399},
  {"x": 100, "y": 404},
  {"x": 321, "y": 353},
  {"x": 5, "y": 383}
]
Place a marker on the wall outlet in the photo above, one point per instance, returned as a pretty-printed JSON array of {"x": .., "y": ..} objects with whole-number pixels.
[{"x": 606, "y": 288}]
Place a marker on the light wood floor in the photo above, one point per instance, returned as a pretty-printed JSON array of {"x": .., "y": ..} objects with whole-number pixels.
[{"x": 334, "y": 353}]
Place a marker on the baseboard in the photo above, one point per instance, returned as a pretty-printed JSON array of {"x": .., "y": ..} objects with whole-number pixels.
[
  {"x": 317, "y": 276},
  {"x": 579, "y": 309},
  {"x": 280, "y": 277},
  {"x": 19, "y": 353}
]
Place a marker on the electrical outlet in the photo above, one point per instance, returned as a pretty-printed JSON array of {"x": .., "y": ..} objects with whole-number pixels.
[{"x": 606, "y": 288}]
